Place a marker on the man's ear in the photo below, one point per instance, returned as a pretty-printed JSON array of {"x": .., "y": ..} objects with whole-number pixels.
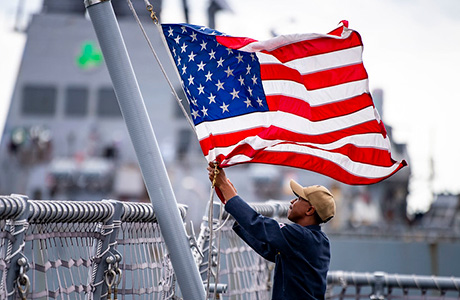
[{"x": 311, "y": 211}]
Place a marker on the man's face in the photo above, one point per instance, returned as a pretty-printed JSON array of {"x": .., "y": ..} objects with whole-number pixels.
[{"x": 297, "y": 209}]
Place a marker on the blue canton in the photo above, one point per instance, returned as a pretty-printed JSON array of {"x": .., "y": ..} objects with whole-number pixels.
[{"x": 219, "y": 82}]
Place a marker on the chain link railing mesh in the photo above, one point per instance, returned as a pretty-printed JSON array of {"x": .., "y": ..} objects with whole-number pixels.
[
  {"x": 147, "y": 270},
  {"x": 68, "y": 245},
  {"x": 60, "y": 259},
  {"x": 61, "y": 242},
  {"x": 246, "y": 274}
]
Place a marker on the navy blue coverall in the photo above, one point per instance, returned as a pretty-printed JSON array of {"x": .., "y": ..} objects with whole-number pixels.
[{"x": 301, "y": 253}]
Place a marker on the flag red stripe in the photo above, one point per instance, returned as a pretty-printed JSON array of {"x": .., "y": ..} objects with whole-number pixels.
[
  {"x": 374, "y": 156},
  {"x": 234, "y": 42},
  {"x": 315, "y": 164},
  {"x": 366, "y": 155},
  {"x": 300, "y": 49},
  {"x": 273, "y": 133},
  {"x": 338, "y": 31},
  {"x": 315, "y": 80},
  {"x": 318, "y": 113},
  {"x": 280, "y": 72},
  {"x": 226, "y": 140},
  {"x": 313, "y": 47},
  {"x": 335, "y": 76}
]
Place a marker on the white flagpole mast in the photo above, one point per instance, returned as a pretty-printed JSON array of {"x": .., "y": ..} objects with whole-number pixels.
[{"x": 146, "y": 147}]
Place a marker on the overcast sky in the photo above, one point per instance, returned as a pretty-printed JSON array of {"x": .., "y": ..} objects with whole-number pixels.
[{"x": 411, "y": 51}]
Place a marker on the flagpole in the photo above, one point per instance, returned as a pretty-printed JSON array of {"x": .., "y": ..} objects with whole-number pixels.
[{"x": 146, "y": 147}]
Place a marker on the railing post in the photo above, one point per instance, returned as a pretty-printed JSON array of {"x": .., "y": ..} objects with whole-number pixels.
[
  {"x": 14, "y": 259},
  {"x": 378, "y": 287},
  {"x": 103, "y": 257}
]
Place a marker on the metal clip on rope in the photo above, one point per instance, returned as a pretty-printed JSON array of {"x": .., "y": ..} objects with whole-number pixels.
[
  {"x": 153, "y": 16},
  {"x": 110, "y": 276},
  {"x": 118, "y": 275},
  {"x": 110, "y": 280},
  {"x": 23, "y": 281},
  {"x": 216, "y": 171}
]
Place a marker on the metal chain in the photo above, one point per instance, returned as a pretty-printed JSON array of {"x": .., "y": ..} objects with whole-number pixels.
[
  {"x": 216, "y": 171},
  {"x": 153, "y": 16},
  {"x": 110, "y": 277},
  {"x": 113, "y": 275},
  {"x": 23, "y": 282},
  {"x": 118, "y": 274}
]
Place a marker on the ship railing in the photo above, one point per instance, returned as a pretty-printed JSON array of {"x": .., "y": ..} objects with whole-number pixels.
[
  {"x": 380, "y": 285},
  {"x": 248, "y": 276},
  {"x": 98, "y": 249},
  {"x": 82, "y": 250}
]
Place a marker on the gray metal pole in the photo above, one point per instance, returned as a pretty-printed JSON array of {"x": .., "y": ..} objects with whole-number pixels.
[{"x": 146, "y": 147}]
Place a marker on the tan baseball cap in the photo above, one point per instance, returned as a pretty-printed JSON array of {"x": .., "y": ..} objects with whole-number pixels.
[{"x": 319, "y": 197}]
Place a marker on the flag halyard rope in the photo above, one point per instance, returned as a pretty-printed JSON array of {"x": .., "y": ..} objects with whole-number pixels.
[
  {"x": 155, "y": 20},
  {"x": 220, "y": 224},
  {"x": 212, "y": 230}
]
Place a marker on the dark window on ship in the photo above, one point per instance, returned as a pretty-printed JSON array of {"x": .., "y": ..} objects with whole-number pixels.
[
  {"x": 178, "y": 112},
  {"x": 38, "y": 100},
  {"x": 183, "y": 143},
  {"x": 76, "y": 101},
  {"x": 107, "y": 104}
]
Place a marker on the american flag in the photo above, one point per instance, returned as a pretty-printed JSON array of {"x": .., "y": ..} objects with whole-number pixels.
[{"x": 297, "y": 100}]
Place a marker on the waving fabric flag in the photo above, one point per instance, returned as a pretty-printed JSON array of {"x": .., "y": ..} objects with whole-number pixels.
[{"x": 296, "y": 100}]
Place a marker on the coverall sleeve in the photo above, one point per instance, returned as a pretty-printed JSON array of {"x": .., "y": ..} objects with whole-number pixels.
[
  {"x": 263, "y": 249},
  {"x": 265, "y": 234}
]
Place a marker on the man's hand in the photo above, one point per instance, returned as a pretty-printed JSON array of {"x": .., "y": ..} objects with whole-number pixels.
[{"x": 224, "y": 188}]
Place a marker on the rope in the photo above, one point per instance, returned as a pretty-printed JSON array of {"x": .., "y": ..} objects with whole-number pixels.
[
  {"x": 211, "y": 233},
  {"x": 210, "y": 227},
  {"x": 219, "y": 236},
  {"x": 154, "y": 18},
  {"x": 160, "y": 30},
  {"x": 222, "y": 224}
]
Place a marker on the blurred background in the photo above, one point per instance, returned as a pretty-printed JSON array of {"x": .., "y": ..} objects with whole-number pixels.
[{"x": 63, "y": 136}]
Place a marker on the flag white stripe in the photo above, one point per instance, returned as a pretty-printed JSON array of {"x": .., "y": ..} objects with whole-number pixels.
[
  {"x": 317, "y": 97},
  {"x": 321, "y": 62},
  {"x": 354, "y": 168},
  {"x": 371, "y": 140},
  {"x": 283, "y": 120}
]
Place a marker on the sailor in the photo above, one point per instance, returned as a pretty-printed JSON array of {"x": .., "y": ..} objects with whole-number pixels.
[{"x": 300, "y": 250}]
